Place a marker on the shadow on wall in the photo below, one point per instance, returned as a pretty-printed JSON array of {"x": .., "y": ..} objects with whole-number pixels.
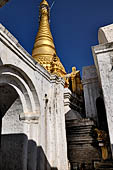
[
  {"x": 19, "y": 153},
  {"x": 101, "y": 111},
  {"x": 0, "y": 129}
]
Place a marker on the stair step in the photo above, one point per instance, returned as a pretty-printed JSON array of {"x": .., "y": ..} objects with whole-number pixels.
[
  {"x": 107, "y": 165},
  {"x": 104, "y": 169}
]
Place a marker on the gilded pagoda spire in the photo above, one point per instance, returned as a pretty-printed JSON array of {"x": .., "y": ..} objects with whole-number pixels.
[{"x": 44, "y": 51}]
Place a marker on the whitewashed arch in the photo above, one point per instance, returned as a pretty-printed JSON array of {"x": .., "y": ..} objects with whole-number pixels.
[{"x": 23, "y": 85}]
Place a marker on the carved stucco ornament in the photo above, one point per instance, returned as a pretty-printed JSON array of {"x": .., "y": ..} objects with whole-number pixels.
[{"x": 102, "y": 139}]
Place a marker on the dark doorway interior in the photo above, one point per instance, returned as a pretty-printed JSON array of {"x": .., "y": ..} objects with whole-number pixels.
[{"x": 102, "y": 119}]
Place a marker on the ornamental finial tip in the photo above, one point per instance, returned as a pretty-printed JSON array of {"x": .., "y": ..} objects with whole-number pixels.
[{"x": 44, "y": 2}]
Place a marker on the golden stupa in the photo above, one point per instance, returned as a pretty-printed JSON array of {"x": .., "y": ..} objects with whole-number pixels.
[{"x": 44, "y": 51}]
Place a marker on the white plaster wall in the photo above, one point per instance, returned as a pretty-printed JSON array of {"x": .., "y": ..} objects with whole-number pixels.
[
  {"x": 46, "y": 95},
  {"x": 105, "y": 34},
  {"x": 10, "y": 122},
  {"x": 107, "y": 85},
  {"x": 103, "y": 60}
]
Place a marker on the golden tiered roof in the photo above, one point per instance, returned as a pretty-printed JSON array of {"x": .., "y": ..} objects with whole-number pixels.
[{"x": 44, "y": 51}]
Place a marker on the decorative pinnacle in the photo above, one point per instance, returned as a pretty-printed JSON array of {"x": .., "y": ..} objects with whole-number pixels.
[
  {"x": 44, "y": 51},
  {"x": 44, "y": 2}
]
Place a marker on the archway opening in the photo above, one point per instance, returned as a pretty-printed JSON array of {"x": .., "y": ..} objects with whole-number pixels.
[
  {"x": 10, "y": 109},
  {"x": 19, "y": 104},
  {"x": 7, "y": 97},
  {"x": 101, "y": 112},
  {"x": 11, "y": 127}
]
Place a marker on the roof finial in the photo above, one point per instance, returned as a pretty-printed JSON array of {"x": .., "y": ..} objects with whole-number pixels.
[
  {"x": 44, "y": 2},
  {"x": 44, "y": 51}
]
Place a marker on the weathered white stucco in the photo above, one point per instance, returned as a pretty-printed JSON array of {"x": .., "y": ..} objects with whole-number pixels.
[
  {"x": 103, "y": 57},
  {"x": 41, "y": 99},
  {"x": 105, "y": 34}
]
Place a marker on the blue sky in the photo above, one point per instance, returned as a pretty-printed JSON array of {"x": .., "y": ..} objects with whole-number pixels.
[{"x": 74, "y": 26}]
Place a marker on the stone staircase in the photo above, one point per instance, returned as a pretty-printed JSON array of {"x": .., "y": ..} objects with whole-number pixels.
[
  {"x": 82, "y": 147},
  {"x": 98, "y": 165},
  {"x": 104, "y": 165},
  {"x": 84, "y": 152}
]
